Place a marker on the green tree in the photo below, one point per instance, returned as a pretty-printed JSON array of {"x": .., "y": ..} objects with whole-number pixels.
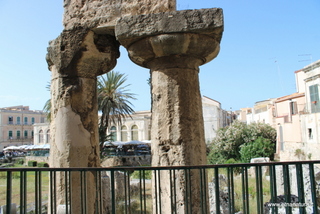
[
  {"x": 261, "y": 147},
  {"x": 228, "y": 142},
  {"x": 113, "y": 101}
]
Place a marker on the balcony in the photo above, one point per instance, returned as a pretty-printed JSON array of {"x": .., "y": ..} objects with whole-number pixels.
[{"x": 273, "y": 187}]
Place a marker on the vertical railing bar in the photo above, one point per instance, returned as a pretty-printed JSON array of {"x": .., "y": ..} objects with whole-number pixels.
[
  {"x": 273, "y": 188},
  {"x": 40, "y": 190},
  {"x": 51, "y": 190},
  {"x": 188, "y": 201},
  {"x": 259, "y": 189},
  {"x": 55, "y": 191},
  {"x": 101, "y": 190},
  {"x": 206, "y": 194},
  {"x": 175, "y": 189},
  {"x": 113, "y": 201},
  {"x": 313, "y": 188},
  {"x": 159, "y": 192},
  {"x": 70, "y": 179},
  {"x": 186, "y": 194},
  {"x": 9, "y": 191},
  {"x": 36, "y": 191},
  {"x": 97, "y": 187},
  {"x": 201, "y": 191},
  {"x": 129, "y": 195},
  {"x": 243, "y": 192},
  {"x": 229, "y": 189},
  {"x": 232, "y": 192},
  {"x": 300, "y": 186},
  {"x": 217, "y": 188},
  {"x": 190, "y": 189},
  {"x": 155, "y": 190},
  {"x": 67, "y": 190},
  {"x": 98, "y": 202},
  {"x": 172, "y": 205},
  {"x": 125, "y": 192},
  {"x": 287, "y": 187},
  {"x": 140, "y": 189},
  {"x": 22, "y": 191},
  {"x": 144, "y": 192},
  {"x": 246, "y": 189},
  {"x": 81, "y": 191},
  {"x": 85, "y": 191}
]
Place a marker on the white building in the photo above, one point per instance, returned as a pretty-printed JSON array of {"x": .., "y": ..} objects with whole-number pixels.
[
  {"x": 16, "y": 125},
  {"x": 138, "y": 126}
]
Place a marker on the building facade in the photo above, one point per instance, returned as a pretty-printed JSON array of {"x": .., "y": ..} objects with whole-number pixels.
[
  {"x": 41, "y": 133},
  {"x": 138, "y": 126},
  {"x": 296, "y": 117},
  {"x": 16, "y": 125}
]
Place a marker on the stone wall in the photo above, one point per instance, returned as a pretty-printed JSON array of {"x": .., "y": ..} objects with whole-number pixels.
[
  {"x": 36, "y": 158},
  {"x": 141, "y": 160}
]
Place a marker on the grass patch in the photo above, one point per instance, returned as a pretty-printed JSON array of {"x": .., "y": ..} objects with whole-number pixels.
[{"x": 30, "y": 187}]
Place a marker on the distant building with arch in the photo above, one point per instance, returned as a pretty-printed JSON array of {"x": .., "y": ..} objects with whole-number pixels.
[
  {"x": 138, "y": 125},
  {"x": 41, "y": 133}
]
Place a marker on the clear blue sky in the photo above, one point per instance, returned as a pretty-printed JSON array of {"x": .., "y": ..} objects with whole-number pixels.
[{"x": 263, "y": 43}]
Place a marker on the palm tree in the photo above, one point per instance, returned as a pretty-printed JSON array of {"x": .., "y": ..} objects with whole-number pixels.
[
  {"x": 113, "y": 101},
  {"x": 47, "y": 106}
]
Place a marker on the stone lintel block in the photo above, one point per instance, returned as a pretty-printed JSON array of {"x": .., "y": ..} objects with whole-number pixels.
[
  {"x": 130, "y": 29},
  {"x": 103, "y": 14}
]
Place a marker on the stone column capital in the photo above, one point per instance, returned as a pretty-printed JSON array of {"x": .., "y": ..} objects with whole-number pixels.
[
  {"x": 190, "y": 33},
  {"x": 81, "y": 52}
]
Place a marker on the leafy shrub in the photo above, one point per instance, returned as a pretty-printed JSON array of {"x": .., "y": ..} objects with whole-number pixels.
[
  {"x": 261, "y": 147},
  {"x": 20, "y": 161},
  {"x": 137, "y": 175},
  {"x": 227, "y": 144},
  {"x": 32, "y": 163},
  {"x": 43, "y": 164}
]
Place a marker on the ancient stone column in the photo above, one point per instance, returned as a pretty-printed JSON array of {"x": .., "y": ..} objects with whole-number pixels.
[
  {"x": 173, "y": 45},
  {"x": 85, "y": 49},
  {"x": 76, "y": 58}
]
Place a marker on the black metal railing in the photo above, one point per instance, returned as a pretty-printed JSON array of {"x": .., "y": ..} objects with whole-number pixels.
[{"x": 273, "y": 187}]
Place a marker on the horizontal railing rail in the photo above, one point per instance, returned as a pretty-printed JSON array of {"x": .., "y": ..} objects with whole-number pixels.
[{"x": 271, "y": 187}]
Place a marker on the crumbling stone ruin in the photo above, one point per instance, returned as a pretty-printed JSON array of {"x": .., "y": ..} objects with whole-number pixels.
[{"x": 172, "y": 44}]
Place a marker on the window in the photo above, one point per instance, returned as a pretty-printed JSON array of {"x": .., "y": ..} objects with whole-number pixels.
[
  {"x": 18, "y": 134},
  {"x": 293, "y": 107},
  {"x": 10, "y": 135},
  {"x": 124, "y": 134},
  {"x": 18, "y": 120},
  {"x": 113, "y": 132},
  {"x": 32, "y": 120},
  {"x": 25, "y": 134},
  {"x": 134, "y": 132},
  {"x": 310, "y": 135},
  {"x": 48, "y": 136},
  {"x": 40, "y": 136},
  {"x": 25, "y": 121},
  {"x": 10, "y": 120},
  {"x": 314, "y": 98}
]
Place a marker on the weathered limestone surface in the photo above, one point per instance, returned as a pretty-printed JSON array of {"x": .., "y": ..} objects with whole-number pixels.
[
  {"x": 105, "y": 13},
  {"x": 75, "y": 59},
  {"x": 205, "y": 21},
  {"x": 173, "y": 45},
  {"x": 85, "y": 49}
]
